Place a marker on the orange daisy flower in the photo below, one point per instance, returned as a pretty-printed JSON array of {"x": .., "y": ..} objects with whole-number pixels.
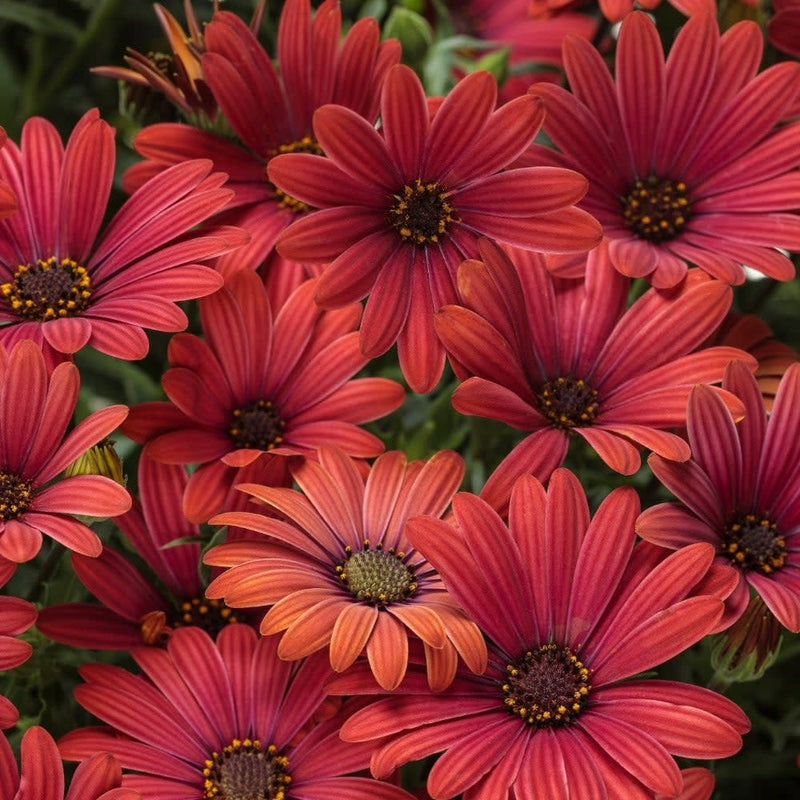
[{"x": 348, "y": 579}]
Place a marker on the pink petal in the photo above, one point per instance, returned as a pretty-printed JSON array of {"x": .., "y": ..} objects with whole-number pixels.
[{"x": 90, "y": 495}]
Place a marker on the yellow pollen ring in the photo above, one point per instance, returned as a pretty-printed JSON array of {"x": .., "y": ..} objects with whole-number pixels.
[
  {"x": 49, "y": 289},
  {"x": 305, "y": 144},
  {"x": 422, "y": 212}
]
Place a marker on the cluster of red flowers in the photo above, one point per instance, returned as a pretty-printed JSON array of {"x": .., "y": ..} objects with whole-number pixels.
[{"x": 568, "y": 248}]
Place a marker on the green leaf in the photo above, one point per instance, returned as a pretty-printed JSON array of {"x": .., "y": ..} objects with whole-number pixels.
[{"x": 39, "y": 20}]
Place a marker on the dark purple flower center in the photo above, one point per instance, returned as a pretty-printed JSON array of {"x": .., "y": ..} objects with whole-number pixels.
[
  {"x": 567, "y": 402},
  {"x": 243, "y": 771},
  {"x": 48, "y": 289},
  {"x": 656, "y": 209},
  {"x": 547, "y": 687},
  {"x": 210, "y": 615},
  {"x": 305, "y": 145},
  {"x": 752, "y": 542},
  {"x": 257, "y": 426},
  {"x": 15, "y": 496},
  {"x": 377, "y": 576},
  {"x": 421, "y": 213}
]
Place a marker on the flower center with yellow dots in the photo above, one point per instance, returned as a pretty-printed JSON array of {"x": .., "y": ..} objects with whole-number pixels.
[
  {"x": 567, "y": 402},
  {"x": 15, "y": 496},
  {"x": 376, "y": 576},
  {"x": 421, "y": 213},
  {"x": 547, "y": 687},
  {"x": 305, "y": 145},
  {"x": 256, "y": 426},
  {"x": 656, "y": 209},
  {"x": 210, "y": 615},
  {"x": 244, "y": 770},
  {"x": 752, "y": 542},
  {"x": 48, "y": 289}
]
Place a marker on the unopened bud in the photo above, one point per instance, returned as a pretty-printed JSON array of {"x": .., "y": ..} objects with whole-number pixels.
[
  {"x": 102, "y": 459},
  {"x": 749, "y": 647},
  {"x": 413, "y": 31}
]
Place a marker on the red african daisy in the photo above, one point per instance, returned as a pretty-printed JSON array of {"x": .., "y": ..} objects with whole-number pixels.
[
  {"x": 783, "y": 28},
  {"x": 533, "y": 36},
  {"x": 557, "y": 357},
  {"x": 260, "y": 388},
  {"x": 616, "y": 10},
  {"x": 572, "y": 613},
  {"x": 35, "y": 448},
  {"x": 401, "y": 208},
  {"x": 739, "y": 492},
  {"x": 270, "y": 109},
  {"x": 16, "y": 616},
  {"x": 64, "y": 283},
  {"x": 41, "y": 773},
  {"x": 685, "y": 159},
  {"x": 142, "y": 607},
  {"x": 698, "y": 784},
  {"x": 749, "y": 332},
  {"x": 8, "y": 200},
  {"x": 348, "y": 579},
  {"x": 221, "y": 720},
  {"x": 178, "y": 76}
]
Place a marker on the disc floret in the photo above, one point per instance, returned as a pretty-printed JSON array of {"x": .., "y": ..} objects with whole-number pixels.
[
  {"x": 547, "y": 687},
  {"x": 51, "y": 288},
  {"x": 567, "y": 402},
  {"x": 421, "y": 212},
  {"x": 656, "y": 208},
  {"x": 243, "y": 770},
  {"x": 752, "y": 542},
  {"x": 377, "y": 576},
  {"x": 257, "y": 425}
]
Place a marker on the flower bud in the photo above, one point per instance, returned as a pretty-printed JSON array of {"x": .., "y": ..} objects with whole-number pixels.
[
  {"x": 102, "y": 459},
  {"x": 749, "y": 647}
]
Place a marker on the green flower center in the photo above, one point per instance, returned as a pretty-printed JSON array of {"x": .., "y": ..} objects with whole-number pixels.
[
  {"x": 421, "y": 213},
  {"x": 243, "y": 771},
  {"x": 567, "y": 402},
  {"x": 257, "y": 426},
  {"x": 753, "y": 543},
  {"x": 377, "y": 577},
  {"x": 15, "y": 496},
  {"x": 656, "y": 209},
  {"x": 547, "y": 687},
  {"x": 48, "y": 289}
]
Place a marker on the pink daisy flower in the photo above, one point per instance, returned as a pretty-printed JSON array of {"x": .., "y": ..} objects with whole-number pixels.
[
  {"x": 66, "y": 284},
  {"x": 260, "y": 387},
  {"x": 573, "y": 612},
  {"x": 750, "y": 333},
  {"x": 783, "y": 28},
  {"x": 616, "y": 10},
  {"x": 559, "y": 357},
  {"x": 401, "y": 208},
  {"x": 178, "y": 76},
  {"x": 40, "y": 775},
  {"x": 224, "y": 720},
  {"x": 698, "y": 784},
  {"x": 8, "y": 200},
  {"x": 532, "y": 34},
  {"x": 270, "y": 109},
  {"x": 347, "y": 579},
  {"x": 16, "y": 616},
  {"x": 686, "y": 161},
  {"x": 35, "y": 411},
  {"x": 139, "y": 607},
  {"x": 739, "y": 492}
]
